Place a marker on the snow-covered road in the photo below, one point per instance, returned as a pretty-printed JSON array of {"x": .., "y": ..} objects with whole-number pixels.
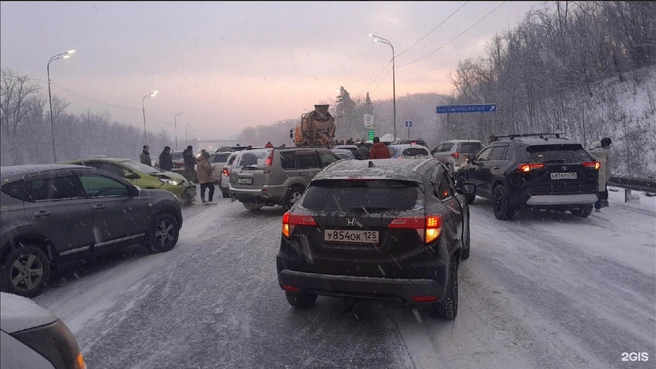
[{"x": 540, "y": 291}]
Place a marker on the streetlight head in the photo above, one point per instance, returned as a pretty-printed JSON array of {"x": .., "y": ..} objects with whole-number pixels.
[
  {"x": 70, "y": 52},
  {"x": 370, "y": 35},
  {"x": 375, "y": 40},
  {"x": 155, "y": 92},
  {"x": 66, "y": 56}
]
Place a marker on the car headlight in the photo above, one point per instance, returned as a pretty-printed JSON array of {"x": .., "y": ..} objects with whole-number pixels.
[{"x": 169, "y": 181}]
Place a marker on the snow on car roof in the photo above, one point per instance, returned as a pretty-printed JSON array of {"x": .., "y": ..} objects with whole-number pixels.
[
  {"x": 11, "y": 171},
  {"x": 18, "y": 313},
  {"x": 382, "y": 169},
  {"x": 457, "y": 141}
]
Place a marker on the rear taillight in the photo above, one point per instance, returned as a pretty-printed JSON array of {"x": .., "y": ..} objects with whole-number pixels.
[
  {"x": 428, "y": 228},
  {"x": 268, "y": 162},
  {"x": 289, "y": 221},
  {"x": 592, "y": 164},
  {"x": 527, "y": 167},
  {"x": 456, "y": 155},
  {"x": 225, "y": 172},
  {"x": 79, "y": 362}
]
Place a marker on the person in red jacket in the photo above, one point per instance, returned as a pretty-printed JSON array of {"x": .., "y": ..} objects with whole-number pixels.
[
  {"x": 269, "y": 145},
  {"x": 379, "y": 150}
]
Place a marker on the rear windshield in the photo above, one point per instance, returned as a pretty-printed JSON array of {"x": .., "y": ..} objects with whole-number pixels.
[
  {"x": 252, "y": 159},
  {"x": 368, "y": 196},
  {"x": 415, "y": 151},
  {"x": 558, "y": 154},
  {"x": 470, "y": 147}
]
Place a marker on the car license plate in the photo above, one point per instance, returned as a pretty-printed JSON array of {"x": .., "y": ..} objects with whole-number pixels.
[
  {"x": 369, "y": 237},
  {"x": 569, "y": 175},
  {"x": 245, "y": 181}
]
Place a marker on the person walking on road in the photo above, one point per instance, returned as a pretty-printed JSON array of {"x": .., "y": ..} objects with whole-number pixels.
[
  {"x": 601, "y": 152},
  {"x": 145, "y": 156},
  {"x": 205, "y": 177},
  {"x": 379, "y": 150},
  {"x": 362, "y": 153},
  {"x": 165, "y": 159},
  {"x": 268, "y": 145},
  {"x": 189, "y": 163}
]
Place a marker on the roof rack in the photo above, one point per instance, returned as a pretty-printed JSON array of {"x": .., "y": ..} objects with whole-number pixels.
[{"x": 539, "y": 135}]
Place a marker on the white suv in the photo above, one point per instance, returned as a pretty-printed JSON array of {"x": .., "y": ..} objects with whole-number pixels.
[{"x": 454, "y": 152}]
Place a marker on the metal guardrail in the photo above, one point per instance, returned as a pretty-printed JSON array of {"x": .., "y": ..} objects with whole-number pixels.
[{"x": 633, "y": 183}]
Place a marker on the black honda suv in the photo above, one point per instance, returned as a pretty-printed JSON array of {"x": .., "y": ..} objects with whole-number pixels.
[
  {"x": 380, "y": 229},
  {"x": 533, "y": 171}
]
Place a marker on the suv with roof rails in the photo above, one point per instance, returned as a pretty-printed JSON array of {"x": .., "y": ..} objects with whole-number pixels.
[
  {"x": 276, "y": 176},
  {"x": 533, "y": 171},
  {"x": 377, "y": 229}
]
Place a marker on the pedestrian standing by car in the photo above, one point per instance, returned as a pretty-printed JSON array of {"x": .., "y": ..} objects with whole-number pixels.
[
  {"x": 145, "y": 156},
  {"x": 362, "y": 153},
  {"x": 269, "y": 145},
  {"x": 189, "y": 163},
  {"x": 165, "y": 159},
  {"x": 601, "y": 152},
  {"x": 205, "y": 176},
  {"x": 379, "y": 150}
]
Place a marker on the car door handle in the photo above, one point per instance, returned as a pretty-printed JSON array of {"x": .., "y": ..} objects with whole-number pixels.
[
  {"x": 98, "y": 207},
  {"x": 42, "y": 213},
  {"x": 497, "y": 167}
]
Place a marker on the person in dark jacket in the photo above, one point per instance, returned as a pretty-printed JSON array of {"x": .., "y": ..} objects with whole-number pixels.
[
  {"x": 379, "y": 150},
  {"x": 165, "y": 159},
  {"x": 189, "y": 163},
  {"x": 145, "y": 156},
  {"x": 350, "y": 141},
  {"x": 362, "y": 153}
]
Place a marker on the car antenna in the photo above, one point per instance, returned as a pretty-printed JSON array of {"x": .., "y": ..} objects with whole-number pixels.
[{"x": 371, "y": 164}]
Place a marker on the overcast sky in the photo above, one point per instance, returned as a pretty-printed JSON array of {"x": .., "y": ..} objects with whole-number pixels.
[{"x": 229, "y": 65}]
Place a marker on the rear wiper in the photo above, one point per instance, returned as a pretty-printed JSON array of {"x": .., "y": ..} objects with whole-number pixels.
[
  {"x": 250, "y": 167},
  {"x": 554, "y": 161},
  {"x": 368, "y": 209}
]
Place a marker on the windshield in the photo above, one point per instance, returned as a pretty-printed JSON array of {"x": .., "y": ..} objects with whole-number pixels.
[
  {"x": 558, "y": 154},
  {"x": 140, "y": 167}
]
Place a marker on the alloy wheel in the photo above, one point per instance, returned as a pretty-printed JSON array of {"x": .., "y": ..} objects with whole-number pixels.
[{"x": 26, "y": 272}]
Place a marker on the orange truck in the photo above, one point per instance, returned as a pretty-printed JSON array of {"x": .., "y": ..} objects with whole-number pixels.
[{"x": 317, "y": 128}]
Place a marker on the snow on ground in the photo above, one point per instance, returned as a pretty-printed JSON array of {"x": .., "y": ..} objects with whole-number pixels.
[{"x": 544, "y": 290}]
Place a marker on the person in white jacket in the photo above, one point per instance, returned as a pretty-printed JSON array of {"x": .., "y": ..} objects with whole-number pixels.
[{"x": 601, "y": 152}]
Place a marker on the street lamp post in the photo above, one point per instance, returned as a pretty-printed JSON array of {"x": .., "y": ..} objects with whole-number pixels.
[
  {"x": 187, "y": 133},
  {"x": 387, "y": 42},
  {"x": 65, "y": 55},
  {"x": 143, "y": 108},
  {"x": 176, "y": 129}
]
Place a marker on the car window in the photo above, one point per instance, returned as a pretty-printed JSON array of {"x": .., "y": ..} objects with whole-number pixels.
[
  {"x": 327, "y": 158},
  {"x": 307, "y": 160},
  {"x": 57, "y": 188},
  {"x": 470, "y": 147},
  {"x": 136, "y": 166},
  {"x": 498, "y": 153},
  {"x": 231, "y": 159},
  {"x": 445, "y": 147},
  {"x": 415, "y": 151},
  {"x": 15, "y": 190},
  {"x": 108, "y": 167},
  {"x": 288, "y": 160},
  {"x": 392, "y": 150},
  {"x": 252, "y": 158},
  {"x": 484, "y": 155},
  {"x": 360, "y": 196},
  {"x": 444, "y": 188},
  {"x": 219, "y": 158},
  {"x": 101, "y": 186},
  {"x": 558, "y": 153}
]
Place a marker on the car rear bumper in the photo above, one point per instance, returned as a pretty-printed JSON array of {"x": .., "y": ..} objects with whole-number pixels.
[
  {"x": 361, "y": 287},
  {"x": 259, "y": 195},
  {"x": 556, "y": 200}
]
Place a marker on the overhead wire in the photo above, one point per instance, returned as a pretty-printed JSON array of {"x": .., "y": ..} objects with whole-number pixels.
[{"x": 453, "y": 39}]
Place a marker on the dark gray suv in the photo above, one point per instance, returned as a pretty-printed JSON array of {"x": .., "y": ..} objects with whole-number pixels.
[{"x": 55, "y": 214}]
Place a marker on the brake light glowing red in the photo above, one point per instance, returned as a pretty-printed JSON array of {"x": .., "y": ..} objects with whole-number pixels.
[
  {"x": 456, "y": 155},
  {"x": 527, "y": 167},
  {"x": 225, "y": 171},
  {"x": 428, "y": 228},
  {"x": 592, "y": 164},
  {"x": 424, "y": 298},
  {"x": 268, "y": 162},
  {"x": 289, "y": 221},
  {"x": 289, "y": 288}
]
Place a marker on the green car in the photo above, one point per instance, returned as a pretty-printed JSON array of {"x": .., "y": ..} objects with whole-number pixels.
[{"x": 144, "y": 176}]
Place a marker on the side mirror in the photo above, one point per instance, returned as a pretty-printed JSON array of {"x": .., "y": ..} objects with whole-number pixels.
[
  {"x": 131, "y": 175},
  {"x": 466, "y": 188},
  {"x": 133, "y": 191}
]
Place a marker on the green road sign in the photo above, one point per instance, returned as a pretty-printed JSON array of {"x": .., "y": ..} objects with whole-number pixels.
[{"x": 371, "y": 134}]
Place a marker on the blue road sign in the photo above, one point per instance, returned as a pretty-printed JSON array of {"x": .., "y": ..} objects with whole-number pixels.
[
  {"x": 481, "y": 108},
  {"x": 408, "y": 123}
]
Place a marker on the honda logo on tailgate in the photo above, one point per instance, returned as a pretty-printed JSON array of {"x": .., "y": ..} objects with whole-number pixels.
[{"x": 350, "y": 221}]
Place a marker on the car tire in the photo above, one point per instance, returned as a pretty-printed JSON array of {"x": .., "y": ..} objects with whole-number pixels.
[
  {"x": 501, "y": 205},
  {"x": 448, "y": 308},
  {"x": 225, "y": 194},
  {"x": 583, "y": 213},
  {"x": 164, "y": 232},
  {"x": 466, "y": 247},
  {"x": 252, "y": 206},
  {"x": 293, "y": 194},
  {"x": 14, "y": 269},
  {"x": 469, "y": 199},
  {"x": 300, "y": 300}
]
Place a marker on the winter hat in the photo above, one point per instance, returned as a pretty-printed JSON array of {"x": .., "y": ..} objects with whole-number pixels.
[{"x": 606, "y": 141}]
